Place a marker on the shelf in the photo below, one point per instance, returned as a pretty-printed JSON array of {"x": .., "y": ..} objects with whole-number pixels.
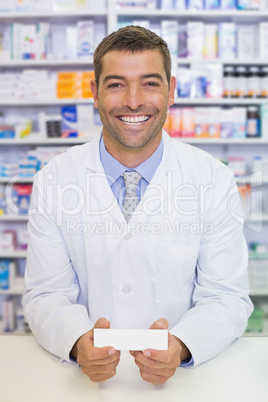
[
  {"x": 44, "y": 102},
  {"x": 47, "y": 141},
  {"x": 50, "y": 14},
  {"x": 83, "y": 61},
  {"x": 221, "y": 141},
  {"x": 15, "y": 179},
  {"x": 242, "y": 62},
  {"x": 14, "y": 218},
  {"x": 219, "y": 14},
  {"x": 13, "y": 254},
  {"x": 12, "y": 291},
  {"x": 220, "y": 101}
]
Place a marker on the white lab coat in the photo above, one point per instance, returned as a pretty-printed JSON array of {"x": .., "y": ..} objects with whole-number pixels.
[{"x": 182, "y": 255}]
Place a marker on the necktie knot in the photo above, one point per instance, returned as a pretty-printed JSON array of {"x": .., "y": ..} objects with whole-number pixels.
[{"x": 131, "y": 201}]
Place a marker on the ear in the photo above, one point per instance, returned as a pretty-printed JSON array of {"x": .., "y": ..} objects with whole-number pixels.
[
  {"x": 94, "y": 90},
  {"x": 172, "y": 89}
]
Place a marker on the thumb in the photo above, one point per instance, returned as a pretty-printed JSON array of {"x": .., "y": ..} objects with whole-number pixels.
[
  {"x": 162, "y": 323},
  {"x": 102, "y": 323}
]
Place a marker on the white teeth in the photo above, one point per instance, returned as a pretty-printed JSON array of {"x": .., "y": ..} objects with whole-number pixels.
[{"x": 134, "y": 119}]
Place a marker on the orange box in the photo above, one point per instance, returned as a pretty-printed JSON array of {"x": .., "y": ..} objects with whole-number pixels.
[{"x": 175, "y": 122}]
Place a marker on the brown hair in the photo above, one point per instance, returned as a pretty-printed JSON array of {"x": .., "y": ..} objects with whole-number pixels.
[{"x": 133, "y": 39}]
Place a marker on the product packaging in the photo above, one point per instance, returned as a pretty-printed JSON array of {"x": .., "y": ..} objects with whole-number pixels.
[
  {"x": 247, "y": 41},
  {"x": 8, "y": 241},
  {"x": 175, "y": 122},
  {"x": 214, "y": 84},
  {"x": 214, "y": 122},
  {"x": 169, "y": 32},
  {"x": 187, "y": 122},
  {"x": 9, "y": 315},
  {"x": 184, "y": 82},
  {"x": 228, "y": 4},
  {"x": 80, "y": 4},
  {"x": 23, "y": 239},
  {"x": 85, "y": 116},
  {"x": 16, "y": 39},
  {"x": 264, "y": 121},
  {"x": 101, "y": 5},
  {"x": 28, "y": 41},
  {"x": 4, "y": 274},
  {"x": 42, "y": 32},
  {"x": 41, "y": 5},
  {"x": 239, "y": 122},
  {"x": 7, "y": 5},
  {"x": 198, "y": 81},
  {"x": 23, "y": 196},
  {"x": 180, "y": 4},
  {"x": 255, "y": 4},
  {"x": 85, "y": 38},
  {"x": 195, "y": 5},
  {"x": 227, "y": 40},
  {"x": 166, "y": 4},
  {"x": 263, "y": 32},
  {"x": 226, "y": 123},
  {"x": 69, "y": 121},
  {"x": 142, "y": 23},
  {"x": 195, "y": 39},
  {"x": 210, "y": 41},
  {"x": 212, "y": 4},
  {"x": 151, "y": 4},
  {"x": 238, "y": 165},
  {"x": 23, "y": 128},
  {"x": 243, "y": 4},
  {"x": 22, "y": 5},
  {"x": 182, "y": 39},
  {"x": 63, "y": 5},
  {"x": 71, "y": 43},
  {"x": 201, "y": 122}
]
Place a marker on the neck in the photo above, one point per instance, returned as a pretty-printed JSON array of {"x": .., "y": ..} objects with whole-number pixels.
[{"x": 130, "y": 157}]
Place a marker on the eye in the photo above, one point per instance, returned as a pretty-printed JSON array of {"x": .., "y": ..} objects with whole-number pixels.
[
  {"x": 114, "y": 85},
  {"x": 152, "y": 84}
]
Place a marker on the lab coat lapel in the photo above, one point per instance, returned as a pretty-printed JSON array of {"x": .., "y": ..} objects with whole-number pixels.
[
  {"x": 160, "y": 191},
  {"x": 97, "y": 183}
]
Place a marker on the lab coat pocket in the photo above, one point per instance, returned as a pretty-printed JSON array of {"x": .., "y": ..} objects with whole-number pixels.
[{"x": 176, "y": 273}]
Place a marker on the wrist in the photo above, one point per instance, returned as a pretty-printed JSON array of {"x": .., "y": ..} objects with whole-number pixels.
[{"x": 185, "y": 353}]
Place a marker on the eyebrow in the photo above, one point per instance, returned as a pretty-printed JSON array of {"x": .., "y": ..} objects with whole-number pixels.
[{"x": 121, "y": 77}]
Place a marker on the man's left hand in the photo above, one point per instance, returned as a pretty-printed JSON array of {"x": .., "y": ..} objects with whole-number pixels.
[{"x": 157, "y": 366}]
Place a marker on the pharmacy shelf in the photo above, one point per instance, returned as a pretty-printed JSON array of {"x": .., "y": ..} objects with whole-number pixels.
[
  {"x": 221, "y": 101},
  {"x": 44, "y": 102},
  {"x": 222, "y": 141},
  {"x": 240, "y": 62},
  {"x": 47, "y": 141},
  {"x": 82, "y": 61},
  {"x": 13, "y": 218},
  {"x": 219, "y": 14},
  {"x": 13, "y": 254},
  {"x": 258, "y": 218},
  {"x": 59, "y": 14},
  {"x": 15, "y": 179},
  {"x": 18, "y": 290}
]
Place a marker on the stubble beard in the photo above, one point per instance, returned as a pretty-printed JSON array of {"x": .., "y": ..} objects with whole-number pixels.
[{"x": 128, "y": 138}]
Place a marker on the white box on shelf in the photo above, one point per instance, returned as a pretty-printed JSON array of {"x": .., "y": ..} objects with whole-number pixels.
[
  {"x": 227, "y": 40},
  {"x": 85, "y": 38},
  {"x": 195, "y": 39},
  {"x": 247, "y": 42},
  {"x": 9, "y": 315},
  {"x": 263, "y": 32},
  {"x": 169, "y": 32}
]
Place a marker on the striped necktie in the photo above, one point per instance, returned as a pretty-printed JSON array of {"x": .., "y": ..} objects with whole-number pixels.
[{"x": 131, "y": 201}]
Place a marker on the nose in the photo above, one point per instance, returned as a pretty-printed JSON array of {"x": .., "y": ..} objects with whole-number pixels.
[{"x": 133, "y": 97}]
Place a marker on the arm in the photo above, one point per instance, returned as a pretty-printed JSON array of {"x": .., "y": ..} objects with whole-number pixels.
[{"x": 51, "y": 287}]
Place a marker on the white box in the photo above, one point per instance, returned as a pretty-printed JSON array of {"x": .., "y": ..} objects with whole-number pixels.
[
  {"x": 227, "y": 40},
  {"x": 131, "y": 339},
  {"x": 263, "y": 32},
  {"x": 195, "y": 39},
  {"x": 169, "y": 32},
  {"x": 247, "y": 42},
  {"x": 85, "y": 38}
]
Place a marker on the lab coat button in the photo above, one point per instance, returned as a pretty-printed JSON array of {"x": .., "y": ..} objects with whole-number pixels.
[{"x": 126, "y": 289}]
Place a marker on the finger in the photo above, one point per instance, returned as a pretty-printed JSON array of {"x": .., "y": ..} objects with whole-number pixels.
[
  {"x": 102, "y": 323},
  {"x": 153, "y": 379},
  {"x": 167, "y": 372},
  {"x": 101, "y": 369},
  {"x": 165, "y": 356},
  {"x": 101, "y": 377},
  {"x": 162, "y": 323},
  {"x": 107, "y": 360},
  {"x": 146, "y": 361},
  {"x": 94, "y": 353}
]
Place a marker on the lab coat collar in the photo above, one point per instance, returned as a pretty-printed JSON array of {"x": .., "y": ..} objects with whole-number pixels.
[{"x": 159, "y": 183}]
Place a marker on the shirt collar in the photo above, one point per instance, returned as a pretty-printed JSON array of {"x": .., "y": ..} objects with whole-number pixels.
[{"x": 114, "y": 169}]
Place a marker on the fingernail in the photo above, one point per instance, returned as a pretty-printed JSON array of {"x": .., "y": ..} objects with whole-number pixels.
[
  {"x": 111, "y": 352},
  {"x": 131, "y": 352},
  {"x": 147, "y": 354}
]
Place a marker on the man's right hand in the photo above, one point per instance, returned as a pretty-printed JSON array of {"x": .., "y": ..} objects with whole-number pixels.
[{"x": 99, "y": 364}]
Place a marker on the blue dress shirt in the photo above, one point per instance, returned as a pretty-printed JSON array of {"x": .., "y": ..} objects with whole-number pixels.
[{"x": 114, "y": 170}]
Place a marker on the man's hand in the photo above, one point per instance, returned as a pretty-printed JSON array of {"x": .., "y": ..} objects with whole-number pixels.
[
  {"x": 99, "y": 364},
  {"x": 157, "y": 366}
]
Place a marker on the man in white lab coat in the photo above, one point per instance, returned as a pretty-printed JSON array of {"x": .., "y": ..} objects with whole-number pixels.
[{"x": 176, "y": 260}]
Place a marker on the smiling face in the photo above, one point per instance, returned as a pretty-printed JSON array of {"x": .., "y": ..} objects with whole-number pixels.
[{"x": 133, "y": 97}]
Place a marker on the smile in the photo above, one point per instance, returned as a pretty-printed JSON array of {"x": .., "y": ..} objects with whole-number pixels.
[{"x": 134, "y": 120}]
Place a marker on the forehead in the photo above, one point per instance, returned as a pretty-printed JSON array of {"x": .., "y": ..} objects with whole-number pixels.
[{"x": 132, "y": 64}]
